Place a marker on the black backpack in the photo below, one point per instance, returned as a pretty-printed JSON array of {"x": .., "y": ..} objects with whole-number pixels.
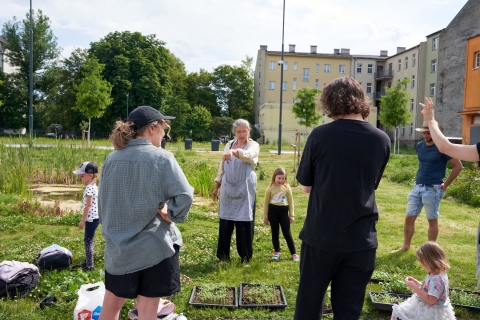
[{"x": 54, "y": 260}]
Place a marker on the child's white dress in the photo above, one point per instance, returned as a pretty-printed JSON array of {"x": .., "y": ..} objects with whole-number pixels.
[{"x": 415, "y": 308}]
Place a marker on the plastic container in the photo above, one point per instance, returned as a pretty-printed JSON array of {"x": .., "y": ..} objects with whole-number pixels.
[
  {"x": 215, "y": 145},
  {"x": 181, "y": 317},
  {"x": 90, "y": 301},
  {"x": 188, "y": 144}
]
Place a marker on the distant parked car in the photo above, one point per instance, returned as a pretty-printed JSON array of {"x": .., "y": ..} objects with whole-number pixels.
[{"x": 51, "y": 135}]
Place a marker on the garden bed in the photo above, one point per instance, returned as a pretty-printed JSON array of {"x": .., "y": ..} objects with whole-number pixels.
[
  {"x": 385, "y": 300},
  {"x": 380, "y": 276},
  {"x": 261, "y": 296},
  {"x": 465, "y": 299},
  {"x": 214, "y": 296}
]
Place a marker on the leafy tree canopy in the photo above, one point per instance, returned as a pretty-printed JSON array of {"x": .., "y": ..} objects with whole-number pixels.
[
  {"x": 305, "y": 109},
  {"x": 394, "y": 105},
  {"x": 201, "y": 91},
  {"x": 234, "y": 90},
  {"x": 15, "y": 111},
  {"x": 135, "y": 64}
]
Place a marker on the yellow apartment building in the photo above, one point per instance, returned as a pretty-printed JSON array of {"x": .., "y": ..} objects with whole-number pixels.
[{"x": 300, "y": 70}]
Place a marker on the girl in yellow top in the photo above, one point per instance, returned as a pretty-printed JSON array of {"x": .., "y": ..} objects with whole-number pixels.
[{"x": 278, "y": 211}]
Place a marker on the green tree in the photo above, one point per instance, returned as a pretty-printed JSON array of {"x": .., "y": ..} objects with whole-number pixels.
[
  {"x": 234, "y": 90},
  {"x": 135, "y": 64},
  {"x": 93, "y": 92},
  {"x": 221, "y": 126},
  {"x": 394, "y": 107},
  {"x": 61, "y": 102},
  {"x": 199, "y": 120},
  {"x": 17, "y": 50},
  {"x": 305, "y": 109},
  {"x": 200, "y": 91}
]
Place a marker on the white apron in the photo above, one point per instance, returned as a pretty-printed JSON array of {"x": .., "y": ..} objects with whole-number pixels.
[{"x": 237, "y": 192}]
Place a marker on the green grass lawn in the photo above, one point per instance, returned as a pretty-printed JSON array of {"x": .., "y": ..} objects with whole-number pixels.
[{"x": 24, "y": 235}]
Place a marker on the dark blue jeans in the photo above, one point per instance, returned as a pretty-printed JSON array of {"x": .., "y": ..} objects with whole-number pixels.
[{"x": 90, "y": 228}]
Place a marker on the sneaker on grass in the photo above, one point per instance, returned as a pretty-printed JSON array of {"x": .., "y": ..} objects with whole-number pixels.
[
  {"x": 276, "y": 255},
  {"x": 295, "y": 258}
]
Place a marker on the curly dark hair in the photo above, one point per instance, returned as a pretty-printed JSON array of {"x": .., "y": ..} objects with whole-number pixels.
[{"x": 344, "y": 96}]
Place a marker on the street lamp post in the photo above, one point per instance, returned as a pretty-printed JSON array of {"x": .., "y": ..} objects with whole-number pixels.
[
  {"x": 30, "y": 122},
  {"x": 281, "y": 88},
  {"x": 127, "y": 105}
]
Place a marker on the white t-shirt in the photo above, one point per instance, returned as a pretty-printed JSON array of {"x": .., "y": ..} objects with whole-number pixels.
[{"x": 91, "y": 190}]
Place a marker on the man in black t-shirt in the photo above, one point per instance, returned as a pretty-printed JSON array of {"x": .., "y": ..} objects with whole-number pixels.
[{"x": 341, "y": 167}]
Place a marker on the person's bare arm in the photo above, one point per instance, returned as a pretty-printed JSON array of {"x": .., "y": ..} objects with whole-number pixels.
[
  {"x": 457, "y": 167},
  {"x": 457, "y": 151}
]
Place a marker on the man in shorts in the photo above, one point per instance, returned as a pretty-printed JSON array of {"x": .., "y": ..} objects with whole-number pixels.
[{"x": 429, "y": 187}]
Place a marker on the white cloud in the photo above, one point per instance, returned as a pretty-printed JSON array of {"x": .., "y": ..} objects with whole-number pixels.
[{"x": 208, "y": 33}]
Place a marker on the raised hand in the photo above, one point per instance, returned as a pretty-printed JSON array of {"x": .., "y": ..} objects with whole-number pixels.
[{"x": 427, "y": 109}]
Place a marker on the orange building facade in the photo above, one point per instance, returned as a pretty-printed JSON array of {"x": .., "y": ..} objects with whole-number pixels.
[{"x": 471, "y": 104}]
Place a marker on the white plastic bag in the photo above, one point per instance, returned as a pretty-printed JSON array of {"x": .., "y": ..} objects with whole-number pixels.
[{"x": 90, "y": 301}]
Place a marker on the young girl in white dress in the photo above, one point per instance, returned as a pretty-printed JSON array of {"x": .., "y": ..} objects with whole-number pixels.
[{"x": 430, "y": 301}]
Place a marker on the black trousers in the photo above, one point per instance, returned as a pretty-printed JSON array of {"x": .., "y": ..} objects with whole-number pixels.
[
  {"x": 244, "y": 236},
  {"x": 348, "y": 273},
  {"x": 278, "y": 218}
]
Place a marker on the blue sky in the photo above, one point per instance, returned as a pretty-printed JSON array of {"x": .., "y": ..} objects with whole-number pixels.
[{"x": 208, "y": 33}]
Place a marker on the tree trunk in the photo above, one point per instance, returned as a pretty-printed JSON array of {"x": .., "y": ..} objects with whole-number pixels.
[
  {"x": 394, "y": 140},
  {"x": 88, "y": 136}
]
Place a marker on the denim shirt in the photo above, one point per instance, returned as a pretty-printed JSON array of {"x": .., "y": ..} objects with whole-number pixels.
[{"x": 133, "y": 182}]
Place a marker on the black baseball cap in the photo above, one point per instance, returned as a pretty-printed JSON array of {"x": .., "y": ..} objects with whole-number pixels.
[
  {"x": 144, "y": 115},
  {"x": 87, "y": 167}
]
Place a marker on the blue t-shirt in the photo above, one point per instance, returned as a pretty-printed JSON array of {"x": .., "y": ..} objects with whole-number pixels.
[{"x": 432, "y": 164}]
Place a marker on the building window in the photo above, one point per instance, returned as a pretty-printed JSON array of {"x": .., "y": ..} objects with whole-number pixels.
[
  {"x": 294, "y": 85},
  {"x": 284, "y": 86},
  {"x": 414, "y": 59},
  {"x": 271, "y": 85},
  {"x": 341, "y": 68},
  {"x": 413, "y": 81},
  {"x": 477, "y": 60},
  {"x": 399, "y": 64},
  {"x": 412, "y": 104},
  {"x": 259, "y": 74},
  {"x": 389, "y": 85},
  {"x": 273, "y": 65},
  {"x": 435, "y": 44},
  {"x": 317, "y": 68},
  {"x": 326, "y": 68},
  {"x": 434, "y": 65},
  {"x": 369, "y": 87},
  {"x": 406, "y": 62},
  {"x": 370, "y": 69},
  {"x": 295, "y": 66},
  {"x": 285, "y": 65},
  {"x": 432, "y": 89},
  {"x": 403, "y": 130},
  {"x": 316, "y": 83},
  {"x": 306, "y": 75},
  {"x": 405, "y": 85},
  {"x": 359, "y": 68},
  {"x": 411, "y": 128},
  {"x": 294, "y": 100}
]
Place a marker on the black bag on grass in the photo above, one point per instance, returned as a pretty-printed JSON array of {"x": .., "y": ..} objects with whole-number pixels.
[
  {"x": 19, "y": 287},
  {"x": 54, "y": 257},
  {"x": 55, "y": 260}
]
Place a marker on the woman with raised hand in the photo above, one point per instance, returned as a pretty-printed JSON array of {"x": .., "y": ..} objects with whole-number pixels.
[{"x": 237, "y": 182}]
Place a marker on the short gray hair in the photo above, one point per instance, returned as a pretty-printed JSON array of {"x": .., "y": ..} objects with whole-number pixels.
[{"x": 240, "y": 122}]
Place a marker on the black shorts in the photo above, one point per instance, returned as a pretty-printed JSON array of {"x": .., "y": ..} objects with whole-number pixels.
[{"x": 160, "y": 280}]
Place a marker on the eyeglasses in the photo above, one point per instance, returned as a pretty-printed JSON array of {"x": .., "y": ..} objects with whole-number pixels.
[{"x": 241, "y": 132}]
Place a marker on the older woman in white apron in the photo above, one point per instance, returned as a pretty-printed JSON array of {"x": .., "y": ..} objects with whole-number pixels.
[{"x": 238, "y": 181}]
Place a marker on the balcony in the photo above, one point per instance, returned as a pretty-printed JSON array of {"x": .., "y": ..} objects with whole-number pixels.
[
  {"x": 379, "y": 94},
  {"x": 384, "y": 74}
]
